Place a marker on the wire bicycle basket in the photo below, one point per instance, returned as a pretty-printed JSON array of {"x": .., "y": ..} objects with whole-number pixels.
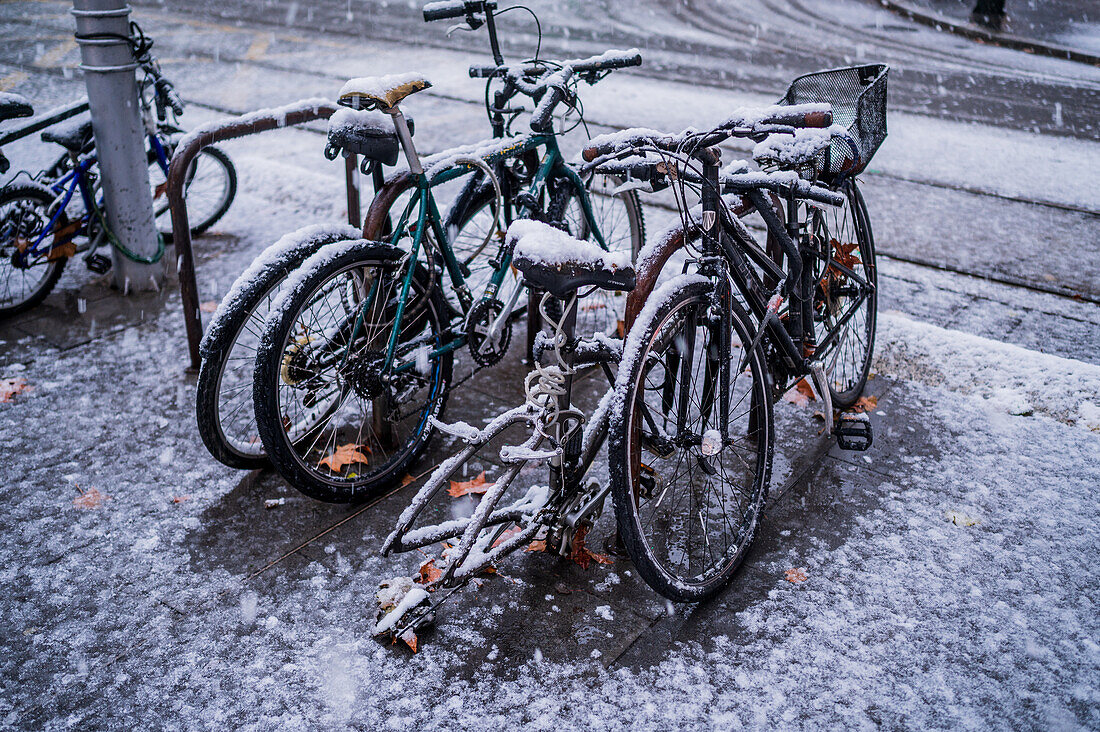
[{"x": 858, "y": 97}]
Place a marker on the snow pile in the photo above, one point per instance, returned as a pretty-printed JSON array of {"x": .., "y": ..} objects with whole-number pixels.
[
  {"x": 344, "y": 119},
  {"x": 541, "y": 243},
  {"x": 797, "y": 149},
  {"x": 1019, "y": 381}
]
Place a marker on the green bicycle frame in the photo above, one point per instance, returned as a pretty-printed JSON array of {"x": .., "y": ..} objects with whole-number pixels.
[{"x": 428, "y": 214}]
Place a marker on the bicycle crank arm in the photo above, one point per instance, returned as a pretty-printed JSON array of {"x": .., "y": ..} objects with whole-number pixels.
[{"x": 817, "y": 370}]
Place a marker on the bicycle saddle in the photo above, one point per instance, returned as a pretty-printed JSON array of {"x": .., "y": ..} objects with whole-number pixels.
[
  {"x": 384, "y": 92},
  {"x": 73, "y": 134},
  {"x": 366, "y": 133},
  {"x": 13, "y": 105},
  {"x": 552, "y": 260}
]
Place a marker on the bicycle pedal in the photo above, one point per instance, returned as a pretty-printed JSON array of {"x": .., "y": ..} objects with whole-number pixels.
[
  {"x": 98, "y": 263},
  {"x": 853, "y": 432}
]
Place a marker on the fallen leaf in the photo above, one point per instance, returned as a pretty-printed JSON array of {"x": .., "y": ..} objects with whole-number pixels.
[
  {"x": 796, "y": 575},
  {"x": 842, "y": 254},
  {"x": 428, "y": 573},
  {"x": 160, "y": 190},
  {"x": 800, "y": 394},
  {"x": 582, "y": 555},
  {"x": 407, "y": 479},
  {"x": 89, "y": 499},
  {"x": 506, "y": 536},
  {"x": 348, "y": 454},
  {"x": 961, "y": 519},
  {"x": 11, "y": 387},
  {"x": 538, "y": 545},
  {"x": 180, "y": 499},
  {"x": 64, "y": 251},
  {"x": 620, "y": 328},
  {"x": 410, "y": 639},
  {"x": 209, "y": 306},
  {"x": 463, "y": 487},
  {"x": 865, "y": 404}
]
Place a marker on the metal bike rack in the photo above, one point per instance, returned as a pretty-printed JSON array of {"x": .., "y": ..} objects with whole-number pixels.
[{"x": 306, "y": 110}]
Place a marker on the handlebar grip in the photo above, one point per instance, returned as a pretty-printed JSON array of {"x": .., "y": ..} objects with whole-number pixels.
[
  {"x": 611, "y": 63},
  {"x": 540, "y": 120},
  {"x": 484, "y": 72},
  {"x": 445, "y": 9},
  {"x": 800, "y": 118}
]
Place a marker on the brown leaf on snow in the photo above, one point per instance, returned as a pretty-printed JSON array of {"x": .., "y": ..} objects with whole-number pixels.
[
  {"x": 461, "y": 488},
  {"x": 409, "y": 638},
  {"x": 796, "y": 575},
  {"x": 584, "y": 556},
  {"x": 209, "y": 306},
  {"x": 538, "y": 545},
  {"x": 180, "y": 499},
  {"x": 348, "y": 454},
  {"x": 428, "y": 573},
  {"x": 800, "y": 394},
  {"x": 89, "y": 499},
  {"x": 10, "y": 387},
  {"x": 865, "y": 404}
]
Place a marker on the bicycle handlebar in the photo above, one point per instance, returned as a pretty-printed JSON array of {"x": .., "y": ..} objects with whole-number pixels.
[
  {"x": 540, "y": 120},
  {"x": 446, "y": 9}
]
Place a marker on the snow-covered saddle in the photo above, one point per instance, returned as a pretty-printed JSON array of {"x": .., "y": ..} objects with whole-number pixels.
[
  {"x": 14, "y": 105},
  {"x": 383, "y": 92},
  {"x": 552, "y": 260},
  {"x": 74, "y": 134}
]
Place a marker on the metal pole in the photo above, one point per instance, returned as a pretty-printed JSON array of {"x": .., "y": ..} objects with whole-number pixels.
[{"x": 102, "y": 30}]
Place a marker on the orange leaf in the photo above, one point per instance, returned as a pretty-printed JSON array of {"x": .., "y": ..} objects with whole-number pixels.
[
  {"x": 345, "y": 455},
  {"x": 428, "y": 573},
  {"x": 11, "y": 387},
  {"x": 538, "y": 545},
  {"x": 505, "y": 536},
  {"x": 407, "y": 479},
  {"x": 180, "y": 499},
  {"x": 89, "y": 499},
  {"x": 800, "y": 394},
  {"x": 620, "y": 328},
  {"x": 865, "y": 404},
  {"x": 209, "y": 306},
  {"x": 796, "y": 575},
  {"x": 581, "y": 554},
  {"x": 842, "y": 254},
  {"x": 462, "y": 487},
  {"x": 410, "y": 639}
]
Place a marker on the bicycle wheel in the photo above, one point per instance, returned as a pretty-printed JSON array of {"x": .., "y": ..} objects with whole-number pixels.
[
  {"x": 620, "y": 221},
  {"x": 845, "y": 313},
  {"x": 687, "y": 502},
  {"x": 209, "y": 191},
  {"x": 333, "y": 424},
  {"x": 23, "y": 215},
  {"x": 223, "y": 407}
]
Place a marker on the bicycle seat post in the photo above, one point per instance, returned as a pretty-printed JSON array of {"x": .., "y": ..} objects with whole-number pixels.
[{"x": 401, "y": 125}]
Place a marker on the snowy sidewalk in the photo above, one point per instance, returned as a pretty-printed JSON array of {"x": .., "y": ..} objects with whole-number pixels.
[{"x": 950, "y": 573}]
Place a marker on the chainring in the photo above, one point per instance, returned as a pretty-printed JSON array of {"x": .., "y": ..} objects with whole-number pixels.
[{"x": 478, "y": 324}]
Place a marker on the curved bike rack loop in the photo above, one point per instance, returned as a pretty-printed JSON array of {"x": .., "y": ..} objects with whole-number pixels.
[{"x": 296, "y": 113}]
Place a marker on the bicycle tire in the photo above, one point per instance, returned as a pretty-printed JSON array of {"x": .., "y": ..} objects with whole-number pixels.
[
  {"x": 243, "y": 312},
  {"x": 638, "y": 508},
  {"x": 276, "y": 364},
  {"x": 36, "y": 291},
  {"x": 848, "y": 364},
  {"x": 223, "y": 175}
]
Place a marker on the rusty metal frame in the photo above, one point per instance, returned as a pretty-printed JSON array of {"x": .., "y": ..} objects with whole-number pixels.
[{"x": 306, "y": 110}]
